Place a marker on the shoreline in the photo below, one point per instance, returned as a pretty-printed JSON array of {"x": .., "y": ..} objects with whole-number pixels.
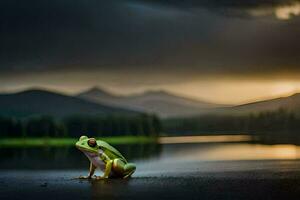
[{"x": 57, "y": 142}]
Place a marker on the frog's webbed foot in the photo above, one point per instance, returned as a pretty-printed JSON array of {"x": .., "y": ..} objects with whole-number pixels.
[
  {"x": 129, "y": 170},
  {"x": 128, "y": 175},
  {"x": 99, "y": 177},
  {"x": 84, "y": 177}
]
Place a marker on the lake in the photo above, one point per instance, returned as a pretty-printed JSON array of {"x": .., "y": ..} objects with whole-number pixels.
[
  {"x": 180, "y": 163},
  {"x": 207, "y": 151}
]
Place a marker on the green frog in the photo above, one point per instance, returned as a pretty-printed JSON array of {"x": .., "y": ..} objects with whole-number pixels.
[{"x": 106, "y": 158}]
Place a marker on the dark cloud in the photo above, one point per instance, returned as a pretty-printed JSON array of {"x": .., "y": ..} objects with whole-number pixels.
[
  {"x": 36, "y": 33},
  {"x": 170, "y": 35}
]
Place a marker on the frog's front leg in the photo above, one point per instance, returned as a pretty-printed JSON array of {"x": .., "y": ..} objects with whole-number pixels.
[
  {"x": 91, "y": 172},
  {"x": 107, "y": 171}
]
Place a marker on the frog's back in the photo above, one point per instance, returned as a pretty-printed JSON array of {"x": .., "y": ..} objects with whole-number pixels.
[{"x": 110, "y": 150}]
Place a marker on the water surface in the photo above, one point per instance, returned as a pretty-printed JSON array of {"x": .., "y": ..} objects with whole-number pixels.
[
  {"x": 175, "y": 168},
  {"x": 171, "y": 156}
]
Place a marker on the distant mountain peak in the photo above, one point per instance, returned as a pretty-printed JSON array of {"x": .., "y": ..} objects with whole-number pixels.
[
  {"x": 33, "y": 102},
  {"x": 167, "y": 94},
  {"x": 36, "y": 90},
  {"x": 96, "y": 90},
  {"x": 295, "y": 95}
]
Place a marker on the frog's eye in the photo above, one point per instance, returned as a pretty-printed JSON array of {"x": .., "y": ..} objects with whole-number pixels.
[
  {"x": 92, "y": 142},
  {"x": 83, "y": 138}
]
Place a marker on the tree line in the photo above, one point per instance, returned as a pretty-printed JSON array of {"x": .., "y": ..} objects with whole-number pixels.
[
  {"x": 75, "y": 126},
  {"x": 268, "y": 123},
  {"x": 272, "y": 121}
]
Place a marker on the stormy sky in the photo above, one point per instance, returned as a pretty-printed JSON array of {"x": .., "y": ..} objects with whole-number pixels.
[{"x": 224, "y": 51}]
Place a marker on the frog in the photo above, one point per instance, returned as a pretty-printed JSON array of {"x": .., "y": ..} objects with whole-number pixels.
[{"x": 105, "y": 157}]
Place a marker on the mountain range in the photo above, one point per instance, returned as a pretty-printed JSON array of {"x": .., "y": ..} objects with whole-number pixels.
[
  {"x": 41, "y": 102},
  {"x": 97, "y": 101},
  {"x": 289, "y": 103},
  {"x": 168, "y": 105},
  {"x": 161, "y": 103}
]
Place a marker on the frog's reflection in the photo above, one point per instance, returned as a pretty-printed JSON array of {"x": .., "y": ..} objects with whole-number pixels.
[{"x": 109, "y": 188}]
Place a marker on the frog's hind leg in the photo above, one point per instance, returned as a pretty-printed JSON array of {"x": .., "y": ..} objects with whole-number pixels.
[
  {"x": 129, "y": 169},
  {"x": 123, "y": 169}
]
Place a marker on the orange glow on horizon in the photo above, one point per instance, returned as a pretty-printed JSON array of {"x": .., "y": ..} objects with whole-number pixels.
[{"x": 214, "y": 89}]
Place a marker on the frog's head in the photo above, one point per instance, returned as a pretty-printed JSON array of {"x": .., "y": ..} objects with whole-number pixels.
[{"x": 87, "y": 145}]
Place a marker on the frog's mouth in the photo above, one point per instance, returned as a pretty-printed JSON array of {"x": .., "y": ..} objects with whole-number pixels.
[
  {"x": 86, "y": 151},
  {"x": 90, "y": 154}
]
